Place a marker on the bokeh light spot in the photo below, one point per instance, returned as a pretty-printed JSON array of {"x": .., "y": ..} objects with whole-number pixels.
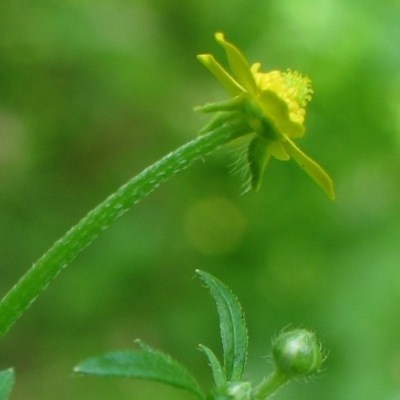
[{"x": 214, "y": 226}]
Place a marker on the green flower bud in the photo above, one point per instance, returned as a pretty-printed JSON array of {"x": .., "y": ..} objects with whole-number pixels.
[
  {"x": 297, "y": 353},
  {"x": 233, "y": 391}
]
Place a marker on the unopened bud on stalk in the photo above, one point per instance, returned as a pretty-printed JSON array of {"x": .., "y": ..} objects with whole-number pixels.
[{"x": 297, "y": 353}]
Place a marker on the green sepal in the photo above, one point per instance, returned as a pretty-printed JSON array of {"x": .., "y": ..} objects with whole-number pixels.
[
  {"x": 146, "y": 363},
  {"x": 228, "y": 105},
  {"x": 257, "y": 157},
  {"x": 259, "y": 122},
  {"x": 217, "y": 121},
  {"x": 216, "y": 367},
  {"x": 232, "y": 325},
  {"x": 233, "y": 122},
  {"x": 7, "y": 378}
]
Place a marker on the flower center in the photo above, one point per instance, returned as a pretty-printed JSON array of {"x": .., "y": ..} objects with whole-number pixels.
[{"x": 290, "y": 86}]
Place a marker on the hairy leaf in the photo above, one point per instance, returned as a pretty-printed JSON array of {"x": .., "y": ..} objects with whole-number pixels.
[
  {"x": 217, "y": 370},
  {"x": 146, "y": 363},
  {"x": 232, "y": 324}
]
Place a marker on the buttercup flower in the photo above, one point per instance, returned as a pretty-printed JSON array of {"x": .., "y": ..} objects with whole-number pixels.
[{"x": 273, "y": 104}]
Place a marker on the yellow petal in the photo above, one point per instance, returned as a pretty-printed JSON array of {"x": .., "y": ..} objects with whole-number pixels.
[
  {"x": 239, "y": 65},
  {"x": 277, "y": 150},
  {"x": 230, "y": 85},
  {"x": 254, "y": 68},
  {"x": 311, "y": 167},
  {"x": 277, "y": 110}
]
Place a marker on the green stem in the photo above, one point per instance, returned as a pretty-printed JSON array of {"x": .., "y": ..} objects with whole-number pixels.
[
  {"x": 270, "y": 385},
  {"x": 18, "y": 299}
]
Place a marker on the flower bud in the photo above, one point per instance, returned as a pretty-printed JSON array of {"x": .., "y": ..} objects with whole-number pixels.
[{"x": 297, "y": 353}]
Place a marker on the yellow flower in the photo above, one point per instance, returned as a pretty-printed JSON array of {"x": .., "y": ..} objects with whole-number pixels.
[{"x": 273, "y": 105}]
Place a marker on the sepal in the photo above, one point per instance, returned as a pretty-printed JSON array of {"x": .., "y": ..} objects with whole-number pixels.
[{"x": 257, "y": 157}]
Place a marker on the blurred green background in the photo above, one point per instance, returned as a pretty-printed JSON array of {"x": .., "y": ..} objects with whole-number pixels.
[{"x": 91, "y": 92}]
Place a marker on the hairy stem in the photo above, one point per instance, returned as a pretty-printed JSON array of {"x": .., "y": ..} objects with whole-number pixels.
[
  {"x": 270, "y": 385},
  {"x": 18, "y": 299}
]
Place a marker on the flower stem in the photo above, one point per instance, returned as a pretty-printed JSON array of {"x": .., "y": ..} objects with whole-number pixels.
[
  {"x": 35, "y": 280},
  {"x": 270, "y": 385}
]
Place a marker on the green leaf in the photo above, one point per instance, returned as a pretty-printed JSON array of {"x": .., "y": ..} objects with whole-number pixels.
[
  {"x": 232, "y": 324},
  {"x": 146, "y": 363},
  {"x": 217, "y": 370},
  {"x": 7, "y": 377}
]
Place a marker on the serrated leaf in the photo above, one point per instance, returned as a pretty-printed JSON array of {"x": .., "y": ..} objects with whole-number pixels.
[
  {"x": 7, "y": 378},
  {"x": 216, "y": 368},
  {"x": 232, "y": 324},
  {"x": 146, "y": 363}
]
